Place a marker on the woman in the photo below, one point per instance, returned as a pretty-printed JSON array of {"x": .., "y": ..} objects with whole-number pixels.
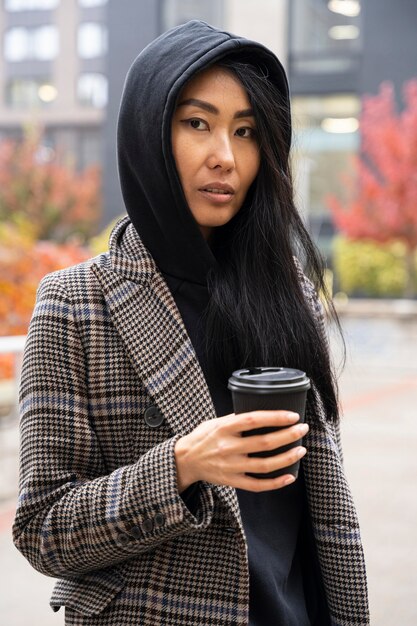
[{"x": 134, "y": 489}]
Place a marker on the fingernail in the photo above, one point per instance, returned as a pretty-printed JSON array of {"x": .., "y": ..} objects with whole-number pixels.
[
  {"x": 292, "y": 417},
  {"x": 301, "y": 452},
  {"x": 289, "y": 480},
  {"x": 302, "y": 428}
]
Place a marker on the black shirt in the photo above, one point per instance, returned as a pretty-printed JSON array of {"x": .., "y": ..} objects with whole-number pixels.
[{"x": 272, "y": 520}]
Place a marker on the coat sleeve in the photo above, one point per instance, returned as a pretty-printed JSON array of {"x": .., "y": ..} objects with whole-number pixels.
[
  {"x": 73, "y": 516},
  {"x": 316, "y": 306}
]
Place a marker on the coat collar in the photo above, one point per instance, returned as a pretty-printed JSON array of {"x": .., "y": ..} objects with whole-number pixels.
[
  {"x": 128, "y": 255},
  {"x": 154, "y": 337}
]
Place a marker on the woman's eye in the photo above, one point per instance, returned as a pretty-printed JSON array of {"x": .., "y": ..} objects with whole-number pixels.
[
  {"x": 197, "y": 124},
  {"x": 246, "y": 132}
]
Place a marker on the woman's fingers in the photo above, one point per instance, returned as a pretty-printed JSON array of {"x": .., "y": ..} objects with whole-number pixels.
[
  {"x": 258, "y": 419},
  {"x": 273, "y": 440},
  {"x": 239, "y": 464},
  {"x": 264, "y": 465},
  {"x": 265, "y": 484}
]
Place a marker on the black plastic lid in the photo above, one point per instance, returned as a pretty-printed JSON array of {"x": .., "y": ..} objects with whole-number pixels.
[{"x": 275, "y": 379}]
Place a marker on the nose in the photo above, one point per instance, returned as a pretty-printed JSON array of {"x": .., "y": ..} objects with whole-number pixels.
[{"x": 221, "y": 153}]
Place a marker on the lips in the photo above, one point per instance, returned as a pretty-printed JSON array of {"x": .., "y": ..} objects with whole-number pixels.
[
  {"x": 210, "y": 190},
  {"x": 218, "y": 189}
]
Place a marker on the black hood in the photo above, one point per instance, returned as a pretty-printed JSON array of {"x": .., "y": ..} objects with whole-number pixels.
[{"x": 150, "y": 184}]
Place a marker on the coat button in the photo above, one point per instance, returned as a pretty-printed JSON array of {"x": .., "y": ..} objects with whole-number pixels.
[
  {"x": 159, "y": 519},
  {"x": 122, "y": 540},
  {"x": 147, "y": 525},
  {"x": 135, "y": 532},
  {"x": 153, "y": 417}
]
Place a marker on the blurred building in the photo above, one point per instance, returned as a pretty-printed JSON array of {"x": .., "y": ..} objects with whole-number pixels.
[
  {"x": 53, "y": 73},
  {"x": 64, "y": 63},
  {"x": 340, "y": 50}
]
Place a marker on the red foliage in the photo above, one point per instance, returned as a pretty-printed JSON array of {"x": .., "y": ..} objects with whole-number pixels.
[
  {"x": 383, "y": 204},
  {"x": 42, "y": 202},
  {"x": 22, "y": 265},
  {"x": 40, "y": 193}
]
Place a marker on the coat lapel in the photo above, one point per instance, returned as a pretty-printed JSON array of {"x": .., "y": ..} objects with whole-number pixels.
[
  {"x": 152, "y": 331},
  {"x": 154, "y": 337}
]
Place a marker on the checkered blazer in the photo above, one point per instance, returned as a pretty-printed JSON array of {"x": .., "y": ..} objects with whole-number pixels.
[{"x": 110, "y": 381}]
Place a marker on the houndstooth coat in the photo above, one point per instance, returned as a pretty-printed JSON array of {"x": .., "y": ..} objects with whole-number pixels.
[{"x": 110, "y": 382}]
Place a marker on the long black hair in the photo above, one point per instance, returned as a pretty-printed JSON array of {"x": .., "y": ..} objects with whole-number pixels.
[{"x": 257, "y": 312}]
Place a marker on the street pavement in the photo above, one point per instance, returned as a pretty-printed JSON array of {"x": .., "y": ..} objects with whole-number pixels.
[{"x": 379, "y": 428}]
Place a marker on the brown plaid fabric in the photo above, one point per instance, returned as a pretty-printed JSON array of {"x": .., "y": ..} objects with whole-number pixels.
[{"x": 110, "y": 381}]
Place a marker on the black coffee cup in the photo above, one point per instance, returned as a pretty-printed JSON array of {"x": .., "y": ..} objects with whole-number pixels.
[{"x": 270, "y": 388}]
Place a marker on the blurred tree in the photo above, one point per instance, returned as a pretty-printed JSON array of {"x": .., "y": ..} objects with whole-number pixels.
[
  {"x": 368, "y": 268},
  {"x": 48, "y": 212},
  {"x": 23, "y": 263},
  {"x": 100, "y": 243},
  {"x": 37, "y": 193},
  {"x": 383, "y": 203}
]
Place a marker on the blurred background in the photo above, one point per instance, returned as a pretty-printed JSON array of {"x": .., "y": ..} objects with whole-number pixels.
[{"x": 352, "y": 67}]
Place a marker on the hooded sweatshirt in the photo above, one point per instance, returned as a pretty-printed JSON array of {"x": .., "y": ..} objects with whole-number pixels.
[{"x": 157, "y": 207}]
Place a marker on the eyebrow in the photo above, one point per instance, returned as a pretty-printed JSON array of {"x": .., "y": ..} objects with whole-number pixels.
[{"x": 210, "y": 108}]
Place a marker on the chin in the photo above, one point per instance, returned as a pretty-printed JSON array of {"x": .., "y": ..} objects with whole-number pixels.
[
  {"x": 218, "y": 223},
  {"x": 218, "y": 220}
]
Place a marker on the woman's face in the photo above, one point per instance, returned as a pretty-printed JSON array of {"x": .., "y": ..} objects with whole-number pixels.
[{"x": 215, "y": 146}]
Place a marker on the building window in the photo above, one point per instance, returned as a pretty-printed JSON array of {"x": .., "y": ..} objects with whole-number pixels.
[
  {"x": 91, "y": 3},
  {"x": 326, "y": 137},
  {"x": 29, "y": 93},
  {"x": 92, "y": 90},
  {"x": 90, "y": 146},
  {"x": 325, "y": 34},
  {"x": 29, "y": 5},
  {"x": 92, "y": 40},
  {"x": 41, "y": 43}
]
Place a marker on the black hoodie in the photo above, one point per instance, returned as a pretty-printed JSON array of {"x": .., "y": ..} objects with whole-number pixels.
[
  {"x": 157, "y": 207},
  {"x": 150, "y": 184}
]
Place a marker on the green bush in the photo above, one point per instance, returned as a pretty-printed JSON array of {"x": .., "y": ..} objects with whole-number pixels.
[
  {"x": 366, "y": 268},
  {"x": 100, "y": 243}
]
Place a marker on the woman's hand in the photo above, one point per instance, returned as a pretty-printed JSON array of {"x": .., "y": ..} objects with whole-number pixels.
[{"x": 216, "y": 452}]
